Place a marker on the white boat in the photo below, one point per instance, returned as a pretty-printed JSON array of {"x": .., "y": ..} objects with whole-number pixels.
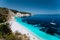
[{"x": 52, "y": 23}]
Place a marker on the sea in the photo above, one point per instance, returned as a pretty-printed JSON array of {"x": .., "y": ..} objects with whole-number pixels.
[{"x": 42, "y": 25}]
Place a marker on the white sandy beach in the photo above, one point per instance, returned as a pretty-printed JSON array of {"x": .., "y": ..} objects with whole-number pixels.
[
  {"x": 20, "y": 28},
  {"x": 15, "y": 26}
]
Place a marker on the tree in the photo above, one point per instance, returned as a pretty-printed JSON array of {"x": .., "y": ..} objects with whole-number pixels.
[{"x": 5, "y": 29}]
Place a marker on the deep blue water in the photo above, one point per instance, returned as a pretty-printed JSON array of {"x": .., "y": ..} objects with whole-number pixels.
[
  {"x": 43, "y": 21},
  {"x": 36, "y": 31}
]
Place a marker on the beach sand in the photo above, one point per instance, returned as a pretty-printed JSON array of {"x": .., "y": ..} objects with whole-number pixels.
[{"x": 15, "y": 26}]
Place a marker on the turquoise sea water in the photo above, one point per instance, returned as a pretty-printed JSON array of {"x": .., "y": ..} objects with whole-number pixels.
[{"x": 36, "y": 31}]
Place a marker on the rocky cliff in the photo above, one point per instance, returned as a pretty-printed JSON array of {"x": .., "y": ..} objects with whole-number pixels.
[{"x": 5, "y": 31}]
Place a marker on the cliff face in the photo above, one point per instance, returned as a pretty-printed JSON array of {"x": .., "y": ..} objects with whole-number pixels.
[
  {"x": 5, "y": 31},
  {"x": 6, "y": 14},
  {"x": 3, "y": 15}
]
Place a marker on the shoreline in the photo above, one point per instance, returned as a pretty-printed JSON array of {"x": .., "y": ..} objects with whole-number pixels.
[
  {"x": 21, "y": 27},
  {"x": 15, "y": 26}
]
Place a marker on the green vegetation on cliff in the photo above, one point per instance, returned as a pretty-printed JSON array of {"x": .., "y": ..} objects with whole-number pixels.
[
  {"x": 5, "y": 31},
  {"x": 3, "y": 16}
]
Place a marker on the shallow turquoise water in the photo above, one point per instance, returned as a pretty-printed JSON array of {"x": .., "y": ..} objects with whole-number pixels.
[{"x": 36, "y": 31}]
